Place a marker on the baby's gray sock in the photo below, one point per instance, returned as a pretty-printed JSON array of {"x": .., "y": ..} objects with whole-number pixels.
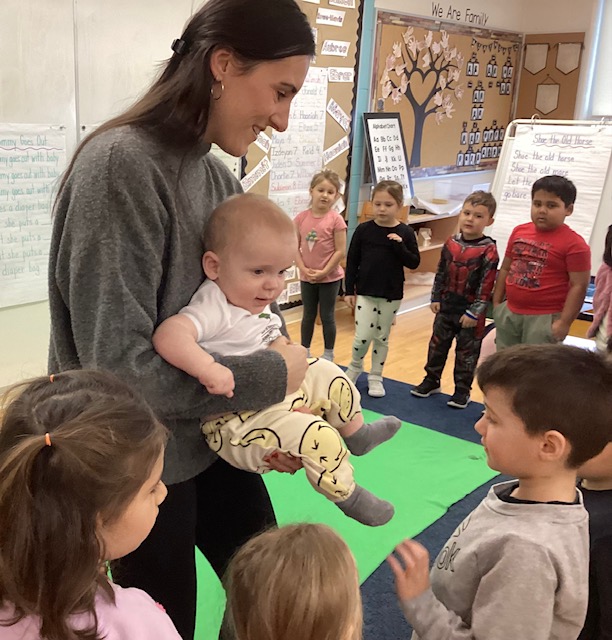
[
  {"x": 373, "y": 434},
  {"x": 366, "y": 508}
]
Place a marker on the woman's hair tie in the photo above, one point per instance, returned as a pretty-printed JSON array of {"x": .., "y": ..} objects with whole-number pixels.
[{"x": 179, "y": 46}]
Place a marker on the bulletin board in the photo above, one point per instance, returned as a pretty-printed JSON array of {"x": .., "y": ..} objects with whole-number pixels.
[
  {"x": 454, "y": 87},
  {"x": 549, "y": 76},
  {"x": 280, "y": 165}
]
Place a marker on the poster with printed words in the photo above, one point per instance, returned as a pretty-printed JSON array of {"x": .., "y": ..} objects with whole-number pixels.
[
  {"x": 32, "y": 158},
  {"x": 295, "y": 154},
  {"x": 579, "y": 153},
  {"x": 386, "y": 150}
]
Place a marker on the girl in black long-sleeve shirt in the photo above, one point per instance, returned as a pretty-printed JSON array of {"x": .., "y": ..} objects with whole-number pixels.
[{"x": 378, "y": 253}]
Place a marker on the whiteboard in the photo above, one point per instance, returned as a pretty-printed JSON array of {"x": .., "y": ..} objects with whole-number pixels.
[{"x": 578, "y": 150}]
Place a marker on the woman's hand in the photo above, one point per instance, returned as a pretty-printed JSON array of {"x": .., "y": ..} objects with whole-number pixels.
[
  {"x": 412, "y": 573},
  {"x": 295, "y": 361},
  {"x": 283, "y": 462}
]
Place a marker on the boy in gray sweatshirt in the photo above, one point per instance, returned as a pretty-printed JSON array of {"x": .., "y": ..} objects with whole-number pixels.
[{"x": 517, "y": 566}]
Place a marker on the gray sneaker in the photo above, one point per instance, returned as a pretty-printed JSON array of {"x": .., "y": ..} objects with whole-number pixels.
[
  {"x": 459, "y": 400},
  {"x": 427, "y": 388}
]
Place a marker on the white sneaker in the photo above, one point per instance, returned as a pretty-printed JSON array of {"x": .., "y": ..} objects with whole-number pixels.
[{"x": 376, "y": 388}]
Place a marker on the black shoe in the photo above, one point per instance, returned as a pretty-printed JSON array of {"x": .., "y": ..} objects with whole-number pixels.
[
  {"x": 426, "y": 388},
  {"x": 459, "y": 400}
]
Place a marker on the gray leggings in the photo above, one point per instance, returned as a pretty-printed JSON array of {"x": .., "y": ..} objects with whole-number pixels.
[{"x": 314, "y": 297}]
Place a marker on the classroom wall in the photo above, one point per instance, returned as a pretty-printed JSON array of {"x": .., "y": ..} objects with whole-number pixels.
[
  {"x": 525, "y": 16},
  {"x": 118, "y": 45},
  {"x": 477, "y": 13}
]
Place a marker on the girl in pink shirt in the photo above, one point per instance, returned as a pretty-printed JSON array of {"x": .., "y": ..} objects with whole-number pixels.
[
  {"x": 601, "y": 327},
  {"x": 322, "y": 237},
  {"x": 81, "y": 457}
]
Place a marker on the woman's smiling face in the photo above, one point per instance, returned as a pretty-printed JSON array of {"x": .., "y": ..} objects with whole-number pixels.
[{"x": 250, "y": 101}]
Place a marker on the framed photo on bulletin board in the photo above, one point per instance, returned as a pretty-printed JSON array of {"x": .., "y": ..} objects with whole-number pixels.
[{"x": 387, "y": 150}]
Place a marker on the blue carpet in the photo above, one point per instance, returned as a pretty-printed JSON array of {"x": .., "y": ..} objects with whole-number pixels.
[
  {"x": 431, "y": 412},
  {"x": 383, "y": 619}
]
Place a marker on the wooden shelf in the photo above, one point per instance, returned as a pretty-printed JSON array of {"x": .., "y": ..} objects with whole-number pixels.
[
  {"x": 417, "y": 218},
  {"x": 413, "y": 218},
  {"x": 431, "y": 247}
]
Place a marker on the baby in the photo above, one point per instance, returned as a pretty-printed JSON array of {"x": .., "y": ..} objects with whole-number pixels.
[{"x": 250, "y": 243}]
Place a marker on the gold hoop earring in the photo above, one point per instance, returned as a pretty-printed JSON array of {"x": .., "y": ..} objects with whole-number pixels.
[{"x": 212, "y": 90}]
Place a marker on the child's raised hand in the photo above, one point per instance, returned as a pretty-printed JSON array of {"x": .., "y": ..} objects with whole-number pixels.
[
  {"x": 412, "y": 572},
  {"x": 218, "y": 380},
  {"x": 394, "y": 236}
]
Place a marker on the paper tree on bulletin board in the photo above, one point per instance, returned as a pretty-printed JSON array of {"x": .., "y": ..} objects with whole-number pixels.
[
  {"x": 447, "y": 83},
  {"x": 438, "y": 66}
]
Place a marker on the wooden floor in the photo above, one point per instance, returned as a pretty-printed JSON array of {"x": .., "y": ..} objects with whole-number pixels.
[
  {"x": 408, "y": 345},
  {"x": 407, "y": 351}
]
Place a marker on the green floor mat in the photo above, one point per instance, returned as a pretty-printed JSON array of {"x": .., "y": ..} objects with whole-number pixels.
[{"x": 422, "y": 472}]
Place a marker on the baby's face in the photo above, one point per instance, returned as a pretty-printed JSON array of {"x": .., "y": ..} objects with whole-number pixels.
[{"x": 252, "y": 268}]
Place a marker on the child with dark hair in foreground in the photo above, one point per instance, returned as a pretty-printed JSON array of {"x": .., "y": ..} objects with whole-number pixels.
[
  {"x": 517, "y": 566},
  {"x": 596, "y": 486},
  {"x": 81, "y": 458}
]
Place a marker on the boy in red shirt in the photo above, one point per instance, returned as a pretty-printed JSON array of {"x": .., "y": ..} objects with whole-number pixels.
[{"x": 545, "y": 272}]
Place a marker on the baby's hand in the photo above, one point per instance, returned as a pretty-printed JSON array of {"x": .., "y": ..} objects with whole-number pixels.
[
  {"x": 218, "y": 380},
  {"x": 412, "y": 574},
  {"x": 394, "y": 236}
]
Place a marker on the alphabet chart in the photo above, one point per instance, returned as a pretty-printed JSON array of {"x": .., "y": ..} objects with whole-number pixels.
[{"x": 387, "y": 150}]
